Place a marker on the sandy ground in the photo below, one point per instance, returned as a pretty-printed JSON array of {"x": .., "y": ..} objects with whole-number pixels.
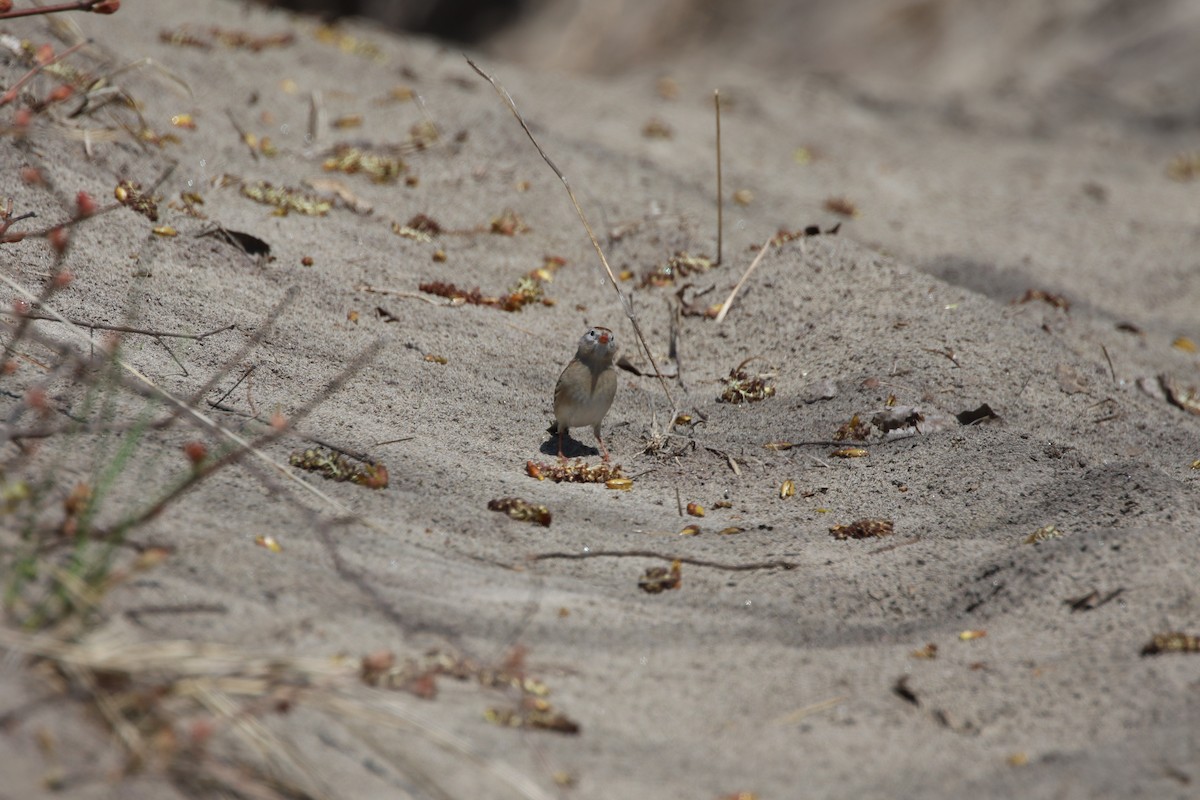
[{"x": 796, "y": 681}]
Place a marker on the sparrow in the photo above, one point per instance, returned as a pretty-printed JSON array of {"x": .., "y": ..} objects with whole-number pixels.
[{"x": 586, "y": 388}]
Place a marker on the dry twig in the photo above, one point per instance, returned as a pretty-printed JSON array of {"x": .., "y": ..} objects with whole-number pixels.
[
  {"x": 205, "y": 421},
  {"x": 100, "y": 326},
  {"x": 698, "y": 562},
  {"x": 97, "y": 6}
]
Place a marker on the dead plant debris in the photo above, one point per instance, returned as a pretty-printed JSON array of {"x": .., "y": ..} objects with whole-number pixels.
[
  {"x": 418, "y": 676},
  {"x": 693, "y": 307},
  {"x": 131, "y": 195},
  {"x": 1056, "y": 300},
  {"x": 578, "y": 471},
  {"x": 1185, "y": 397},
  {"x": 656, "y": 580},
  {"x": 409, "y": 232},
  {"x": 379, "y": 167},
  {"x": 423, "y": 223},
  {"x": 425, "y": 133},
  {"x": 1173, "y": 642},
  {"x": 1042, "y": 534},
  {"x": 337, "y": 467},
  {"x": 854, "y": 429},
  {"x": 841, "y": 205},
  {"x": 526, "y": 291},
  {"x": 866, "y": 528},
  {"x": 927, "y": 653},
  {"x": 850, "y": 452},
  {"x": 285, "y": 199},
  {"x": 151, "y": 136},
  {"x": 741, "y": 387},
  {"x": 351, "y": 45},
  {"x": 399, "y": 94},
  {"x": 189, "y": 203},
  {"x": 257, "y": 145},
  {"x": 533, "y": 712},
  {"x": 74, "y": 504},
  {"x": 521, "y": 510},
  {"x": 207, "y": 38},
  {"x": 334, "y": 188},
  {"x": 509, "y": 223},
  {"x": 680, "y": 265},
  {"x": 1184, "y": 167},
  {"x": 783, "y": 235},
  {"x": 656, "y": 128},
  {"x": 456, "y": 295}
]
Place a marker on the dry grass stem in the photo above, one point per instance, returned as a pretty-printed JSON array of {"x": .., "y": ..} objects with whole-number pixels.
[
  {"x": 433, "y": 301},
  {"x": 793, "y": 717},
  {"x": 745, "y": 276},
  {"x": 612, "y": 278},
  {"x": 720, "y": 195}
]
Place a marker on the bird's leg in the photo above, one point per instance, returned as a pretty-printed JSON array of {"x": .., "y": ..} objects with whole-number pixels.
[
  {"x": 603, "y": 449},
  {"x": 560, "y": 449}
]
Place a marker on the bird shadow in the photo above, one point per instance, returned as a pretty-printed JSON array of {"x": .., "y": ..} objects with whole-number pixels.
[{"x": 572, "y": 447}]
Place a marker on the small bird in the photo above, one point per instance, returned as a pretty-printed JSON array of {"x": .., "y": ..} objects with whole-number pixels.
[{"x": 586, "y": 388}]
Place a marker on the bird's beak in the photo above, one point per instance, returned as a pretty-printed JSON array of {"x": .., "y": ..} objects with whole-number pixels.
[{"x": 604, "y": 338}]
